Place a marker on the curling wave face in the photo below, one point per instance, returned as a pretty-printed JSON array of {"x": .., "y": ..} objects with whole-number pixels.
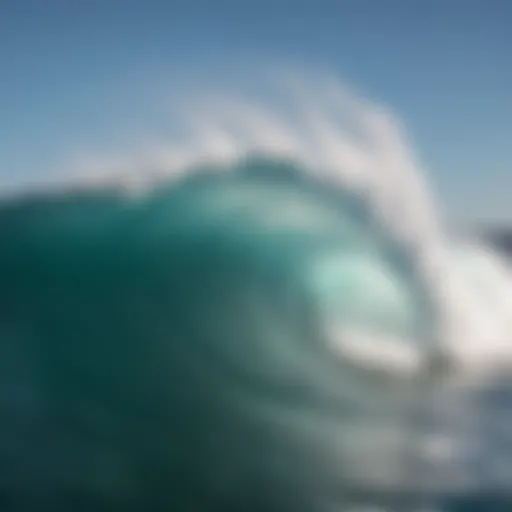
[
  {"x": 244, "y": 334},
  {"x": 223, "y": 328}
]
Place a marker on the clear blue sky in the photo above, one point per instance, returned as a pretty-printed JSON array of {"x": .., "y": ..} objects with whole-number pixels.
[{"x": 73, "y": 72}]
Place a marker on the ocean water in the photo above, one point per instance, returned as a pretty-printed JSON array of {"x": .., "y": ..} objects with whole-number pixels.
[{"x": 264, "y": 313}]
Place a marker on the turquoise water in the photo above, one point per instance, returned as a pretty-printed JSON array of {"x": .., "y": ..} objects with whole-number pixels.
[{"x": 198, "y": 347}]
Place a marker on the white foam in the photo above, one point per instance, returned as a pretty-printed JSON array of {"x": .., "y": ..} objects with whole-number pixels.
[{"x": 388, "y": 353}]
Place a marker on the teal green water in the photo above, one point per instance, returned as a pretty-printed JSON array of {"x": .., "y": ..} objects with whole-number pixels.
[{"x": 174, "y": 351}]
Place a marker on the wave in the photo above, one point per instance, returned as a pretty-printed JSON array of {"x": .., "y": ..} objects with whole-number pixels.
[
  {"x": 349, "y": 142},
  {"x": 257, "y": 303}
]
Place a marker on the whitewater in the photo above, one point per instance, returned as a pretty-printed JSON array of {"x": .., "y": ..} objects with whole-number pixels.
[{"x": 295, "y": 324}]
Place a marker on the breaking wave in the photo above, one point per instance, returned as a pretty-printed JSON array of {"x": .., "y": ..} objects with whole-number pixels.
[{"x": 257, "y": 305}]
